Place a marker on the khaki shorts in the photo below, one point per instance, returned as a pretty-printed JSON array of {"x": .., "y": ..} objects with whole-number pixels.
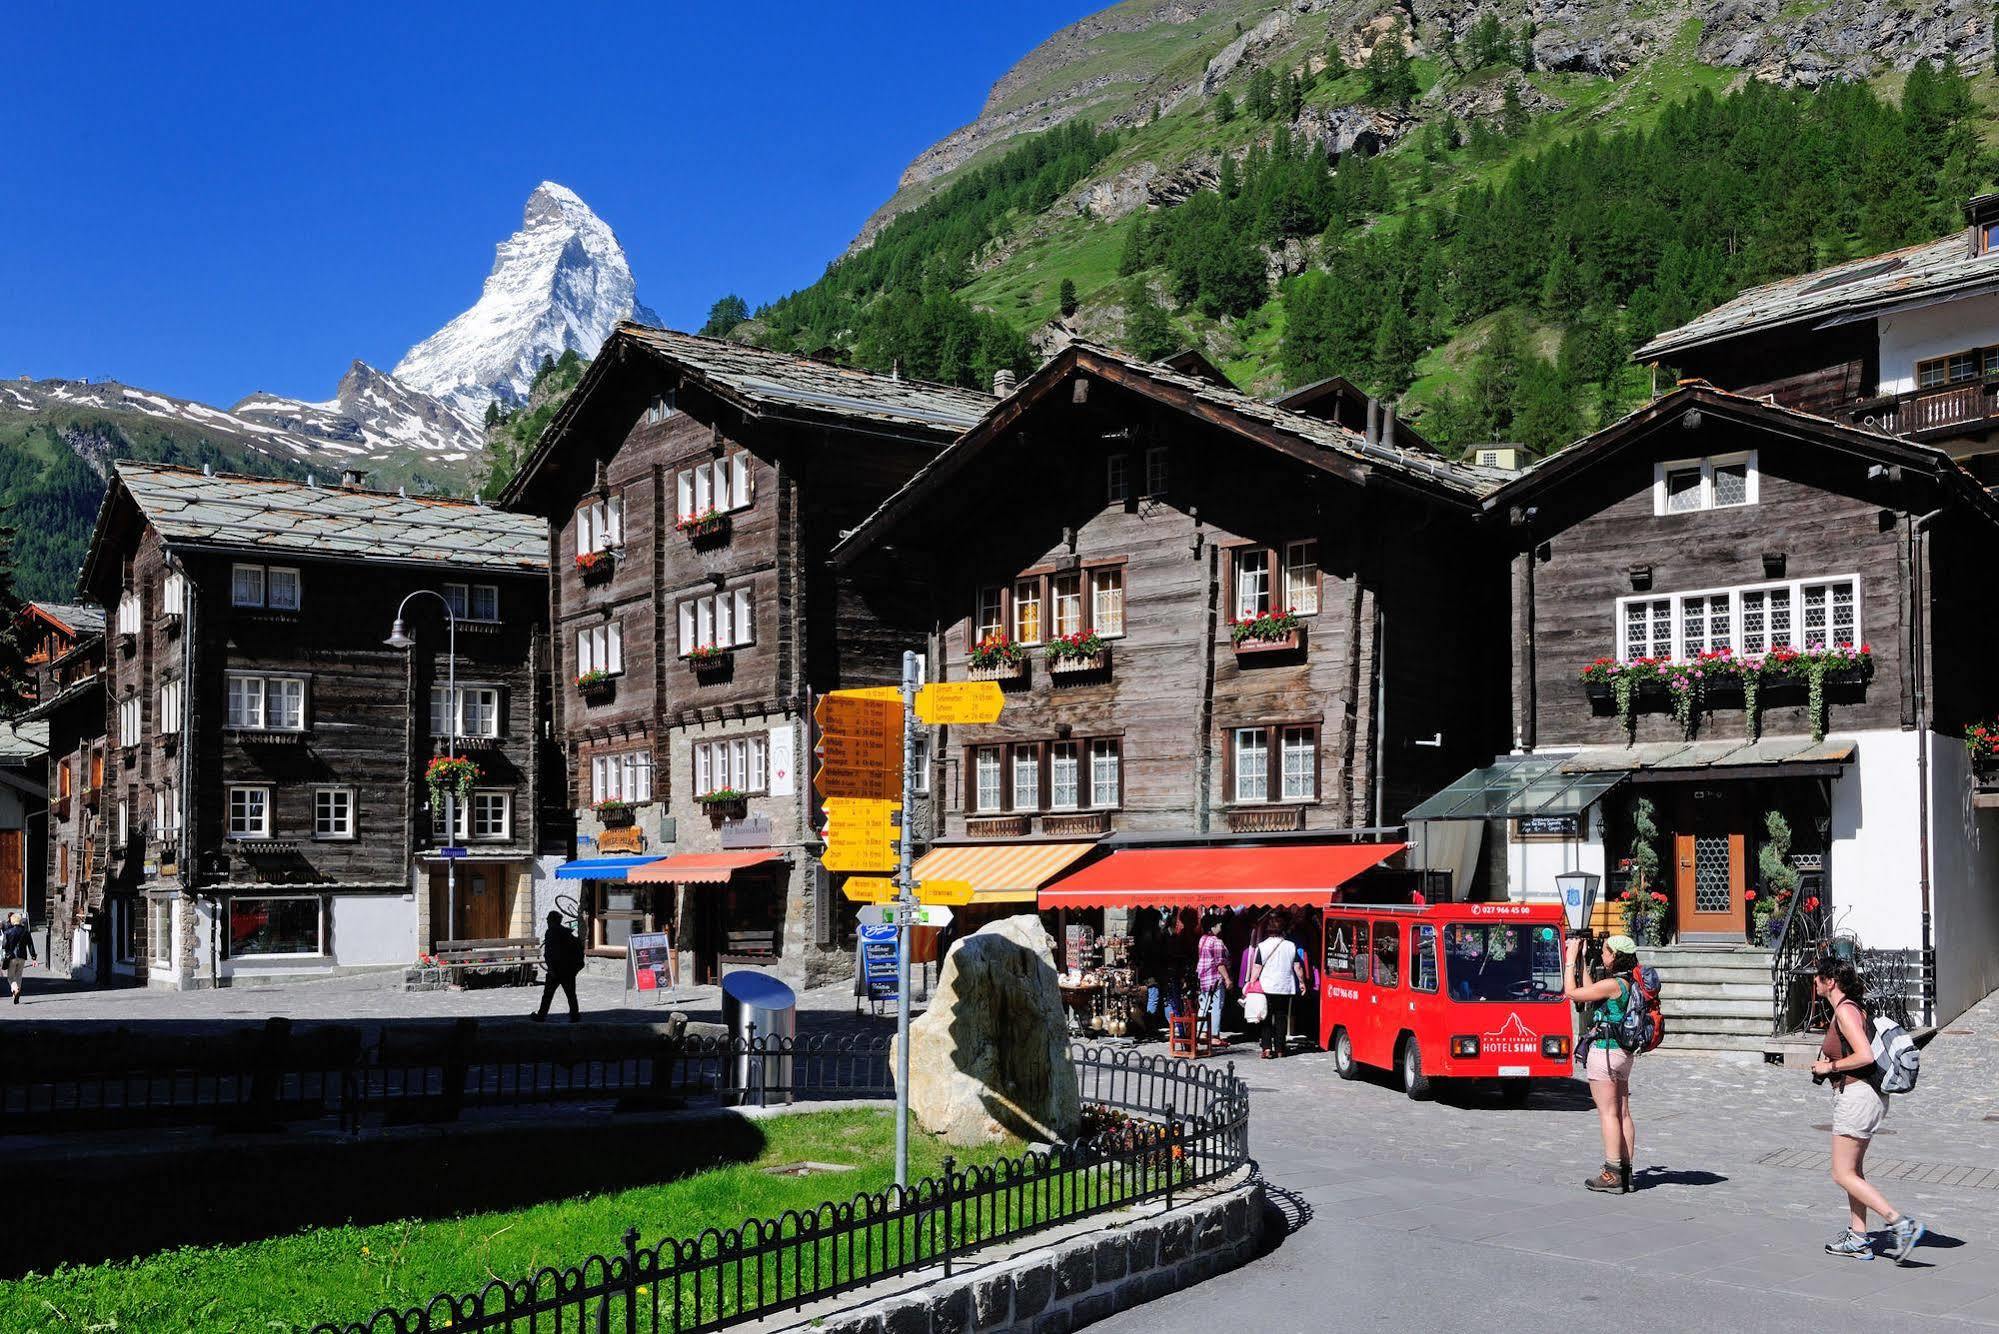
[
  {"x": 1858, "y": 1110},
  {"x": 15, "y": 967},
  {"x": 1613, "y": 1063}
]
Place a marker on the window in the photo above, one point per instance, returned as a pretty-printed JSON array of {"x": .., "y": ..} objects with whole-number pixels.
[
  {"x": 65, "y": 777},
  {"x": 1720, "y": 482},
  {"x": 722, "y": 620},
  {"x": 473, "y": 602},
  {"x": 1301, "y": 577},
  {"x": 249, "y": 812},
  {"x": 1062, "y": 791},
  {"x": 124, "y": 822},
  {"x": 1106, "y": 773},
  {"x": 1271, "y": 579},
  {"x": 923, "y": 763},
  {"x": 720, "y": 486},
  {"x": 160, "y": 932},
  {"x": 166, "y": 813},
  {"x": 246, "y": 585},
  {"x": 1488, "y": 458},
  {"x": 333, "y": 812},
  {"x": 1502, "y": 963},
  {"x": 622, "y": 777},
  {"x": 1027, "y": 612},
  {"x": 1026, "y": 778},
  {"x": 1422, "y": 957},
  {"x": 986, "y": 781},
  {"x": 129, "y": 715},
  {"x": 1107, "y": 602},
  {"x": 173, "y": 594},
  {"x": 661, "y": 407},
  {"x": 274, "y": 928},
  {"x": 1290, "y": 770},
  {"x": 1066, "y": 595},
  {"x": 1958, "y": 366},
  {"x": 740, "y": 764},
  {"x": 281, "y": 588},
  {"x": 1117, "y": 479},
  {"x": 600, "y": 648},
  {"x": 1155, "y": 472},
  {"x": 1252, "y": 583},
  {"x": 1252, "y": 764},
  {"x": 992, "y": 613},
  {"x": 272, "y": 586},
  {"x": 600, "y": 525},
  {"x": 478, "y": 712},
  {"x": 1802, "y": 614},
  {"x": 492, "y": 816},
  {"x": 1346, "y": 949},
  {"x": 171, "y": 698},
  {"x": 128, "y": 613},
  {"x": 265, "y": 703},
  {"x": 1387, "y": 951}
]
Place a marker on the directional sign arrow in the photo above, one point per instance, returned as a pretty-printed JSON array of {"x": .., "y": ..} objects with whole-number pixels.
[
  {"x": 945, "y": 891},
  {"x": 960, "y": 702},
  {"x": 869, "y": 889},
  {"x": 885, "y": 914}
]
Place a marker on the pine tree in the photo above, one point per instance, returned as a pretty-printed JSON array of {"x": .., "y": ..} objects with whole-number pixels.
[
  {"x": 1294, "y": 98},
  {"x": 16, "y": 677},
  {"x": 1391, "y": 80},
  {"x": 1512, "y": 115},
  {"x": 1544, "y": 407},
  {"x": 1336, "y": 60},
  {"x": 1496, "y": 378},
  {"x": 1133, "y": 255},
  {"x": 1148, "y": 333},
  {"x": 725, "y": 315},
  {"x": 1260, "y": 102},
  {"x": 1068, "y": 298},
  {"x": 1487, "y": 44},
  {"x": 1224, "y": 107},
  {"x": 1228, "y": 181},
  {"x": 1395, "y": 351}
]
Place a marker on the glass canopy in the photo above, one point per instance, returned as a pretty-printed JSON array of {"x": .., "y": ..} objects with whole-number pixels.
[{"x": 1515, "y": 786}]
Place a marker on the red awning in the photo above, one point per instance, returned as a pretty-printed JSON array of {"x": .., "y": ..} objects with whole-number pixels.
[
  {"x": 699, "y": 868},
  {"x": 1288, "y": 875}
]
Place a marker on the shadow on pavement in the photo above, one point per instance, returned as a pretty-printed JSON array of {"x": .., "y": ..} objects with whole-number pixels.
[
  {"x": 1285, "y": 1212},
  {"x": 1647, "y": 1178}
]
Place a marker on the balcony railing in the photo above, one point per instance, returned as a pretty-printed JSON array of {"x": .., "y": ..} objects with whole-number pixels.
[{"x": 1946, "y": 409}]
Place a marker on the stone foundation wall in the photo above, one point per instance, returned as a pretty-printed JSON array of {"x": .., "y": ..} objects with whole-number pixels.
[{"x": 1064, "y": 1286}]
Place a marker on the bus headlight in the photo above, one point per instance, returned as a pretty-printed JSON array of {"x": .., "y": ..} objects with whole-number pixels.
[
  {"x": 1464, "y": 1048},
  {"x": 1555, "y": 1049}
]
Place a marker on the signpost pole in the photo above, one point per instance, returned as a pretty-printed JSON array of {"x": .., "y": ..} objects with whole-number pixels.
[{"x": 905, "y": 904}]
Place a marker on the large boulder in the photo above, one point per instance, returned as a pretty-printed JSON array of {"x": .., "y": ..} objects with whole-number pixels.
[{"x": 990, "y": 1057}]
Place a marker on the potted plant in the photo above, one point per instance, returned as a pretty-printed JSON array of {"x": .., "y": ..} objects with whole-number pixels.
[
  {"x": 450, "y": 777},
  {"x": 1265, "y": 632},
  {"x": 1777, "y": 880},
  {"x": 596, "y": 565},
  {"x": 1081, "y": 651},
  {"x": 708, "y": 657},
  {"x": 997, "y": 658},
  {"x": 703, "y": 523},
  {"x": 1644, "y": 915},
  {"x": 1981, "y": 741},
  {"x": 596, "y": 684},
  {"x": 613, "y": 813},
  {"x": 1644, "y": 904},
  {"x": 724, "y": 802}
]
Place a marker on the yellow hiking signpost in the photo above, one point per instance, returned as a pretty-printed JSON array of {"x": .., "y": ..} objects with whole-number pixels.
[
  {"x": 869, "y": 889},
  {"x": 861, "y": 834},
  {"x": 960, "y": 702}
]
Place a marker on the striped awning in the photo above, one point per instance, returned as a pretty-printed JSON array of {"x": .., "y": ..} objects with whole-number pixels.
[
  {"x": 1001, "y": 872},
  {"x": 701, "y": 868}
]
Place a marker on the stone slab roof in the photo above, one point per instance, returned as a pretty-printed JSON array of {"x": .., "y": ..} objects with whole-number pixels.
[
  {"x": 23, "y": 742},
  {"x": 190, "y": 507},
  {"x": 80, "y": 617},
  {"x": 1917, "y": 275}
]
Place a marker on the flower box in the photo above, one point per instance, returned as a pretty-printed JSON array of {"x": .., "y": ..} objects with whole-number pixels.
[
  {"x": 708, "y": 526},
  {"x": 1078, "y": 655},
  {"x": 615, "y": 814},
  {"x": 710, "y": 661},
  {"x": 1006, "y": 673},
  {"x": 725, "y": 804},
  {"x": 597, "y": 687},
  {"x": 1251, "y": 647},
  {"x": 596, "y": 566}
]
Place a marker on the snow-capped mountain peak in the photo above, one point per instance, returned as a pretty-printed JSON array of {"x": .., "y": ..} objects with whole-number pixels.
[{"x": 562, "y": 281}]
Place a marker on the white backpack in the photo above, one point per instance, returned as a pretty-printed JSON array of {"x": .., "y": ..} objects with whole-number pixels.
[{"x": 1895, "y": 1056}]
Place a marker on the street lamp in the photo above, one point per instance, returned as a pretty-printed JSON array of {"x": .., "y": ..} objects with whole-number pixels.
[
  {"x": 400, "y": 637},
  {"x": 1578, "y": 890}
]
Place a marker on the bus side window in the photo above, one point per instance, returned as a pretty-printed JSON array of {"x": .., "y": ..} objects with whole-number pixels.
[
  {"x": 1387, "y": 948},
  {"x": 1359, "y": 970},
  {"x": 1423, "y": 957},
  {"x": 1339, "y": 948}
]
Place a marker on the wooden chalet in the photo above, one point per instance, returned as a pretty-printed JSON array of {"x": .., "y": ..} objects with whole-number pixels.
[
  {"x": 263, "y": 807},
  {"x": 692, "y": 489},
  {"x": 1223, "y": 626},
  {"x": 51, "y": 629},
  {"x": 1735, "y": 611},
  {"x": 69, "y": 700}
]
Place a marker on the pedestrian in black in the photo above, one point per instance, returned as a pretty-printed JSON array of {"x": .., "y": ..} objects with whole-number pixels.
[
  {"x": 17, "y": 947},
  {"x": 562, "y": 960}
]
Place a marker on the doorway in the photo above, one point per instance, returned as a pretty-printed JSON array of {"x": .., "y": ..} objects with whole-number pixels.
[
  {"x": 1710, "y": 874},
  {"x": 482, "y": 911}
]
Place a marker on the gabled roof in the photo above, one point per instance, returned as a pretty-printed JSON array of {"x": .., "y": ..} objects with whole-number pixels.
[
  {"x": 1318, "y": 443},
  {"x": 1325, "y": 398},
  {"x": 763, "y": 383},
  {"x": 23, "y": 742},
  {"x": 225, "y": 511},
  {"x": 1820, "y": 432},
  {"x": 1918, "y": 275},
  {"x": 78, "y": 618}
]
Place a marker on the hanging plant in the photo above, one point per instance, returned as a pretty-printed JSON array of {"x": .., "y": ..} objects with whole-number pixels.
[
  {"x": 450, "y": 777},
  {"x": 1752, "y": 698}
]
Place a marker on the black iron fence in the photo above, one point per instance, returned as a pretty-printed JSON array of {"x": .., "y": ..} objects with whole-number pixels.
[{"x": 1153, "y": 1127}]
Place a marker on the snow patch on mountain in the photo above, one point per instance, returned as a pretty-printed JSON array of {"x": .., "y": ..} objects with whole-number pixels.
[
  {"x": 562, "y": 281},
  {"x": 371, "y": 416}
]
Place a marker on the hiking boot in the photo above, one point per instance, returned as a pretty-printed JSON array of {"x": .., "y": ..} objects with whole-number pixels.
[
  {"x": 1610, "y": 1181},
  {"x": 1853, "y": 1245},
  {"x": 1903, "y": 1235}
]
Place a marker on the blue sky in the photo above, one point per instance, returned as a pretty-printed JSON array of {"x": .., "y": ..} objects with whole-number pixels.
[{"x": 210, "y": 200}]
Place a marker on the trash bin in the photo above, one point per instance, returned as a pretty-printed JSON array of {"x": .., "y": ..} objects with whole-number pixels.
[{"x": 755, "y": 1003}]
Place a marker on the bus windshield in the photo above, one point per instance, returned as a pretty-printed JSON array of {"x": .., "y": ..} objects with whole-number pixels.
[{"x": 1500, "y": 962}]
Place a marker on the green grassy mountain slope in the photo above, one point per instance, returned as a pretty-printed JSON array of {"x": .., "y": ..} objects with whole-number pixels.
[{"x": 1478, "y": 216}]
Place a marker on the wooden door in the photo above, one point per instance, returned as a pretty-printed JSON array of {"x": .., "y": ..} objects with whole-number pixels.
[
  {"x": 13, "y": 869},
  {"x": 482, "y": 903},
  {"x": 1709, "y": 876}
]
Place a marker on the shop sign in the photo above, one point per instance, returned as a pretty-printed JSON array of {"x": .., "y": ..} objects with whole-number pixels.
[
  {"x": 752, "y": 831},
  {"x": 625, "y": 840},
  {"x": 649, "y": 959},
  {"x": 877, "y": 948},
  {"x": 1546, "y": 826}
]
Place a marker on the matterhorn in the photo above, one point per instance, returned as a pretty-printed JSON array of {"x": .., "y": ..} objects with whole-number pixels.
[{"x": 560, "y": 282}]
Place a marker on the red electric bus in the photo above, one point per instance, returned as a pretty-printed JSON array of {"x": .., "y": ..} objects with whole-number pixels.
[{"x": 1446, "y": 991}]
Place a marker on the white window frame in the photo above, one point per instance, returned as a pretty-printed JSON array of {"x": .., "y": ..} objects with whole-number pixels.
[
  {"x": 464, "y": 599},
  {"x": 263, "y": 827},
  {"x": 159, "y": 939},
  {"x": 621, "y": 776},
  {"x": 661, "y": 408},
  {"x": 740, "y": 763},
  {"x": 238, "y": 589},
  {"x": 1114, "y": 748},
  {"x": 719, "y": 620},
  {"x": 600, "y": 525},
  {"x": 1751, "y": 486},
  {"x": 473, "y": 812},
  {"x": 1302, "y": 554},
  {"x": 267, "y": 579},
  {"x": 172, "y": 695},
  {"x": 1796, "y": 588},
  {"x": 1286, "y": 737},
  {"x": 131, "y": 721},
  {"x": 1258, "y": 792},
  {"x": 1063, "y": 754},
  {"x": 124, "y": 821},
  {"x": 980, "y": 801},
  {"x": 342, "y": 829},
  {"x": 601, "y": 648},
  {"x": 166, "y": 813},
  {"x": 173, "y": 594},
  {"x": 129, "y": 612},
  {"x": 441, "y": 722},
  {"x": 1027, "y": 765},
  {"x": 266, "y": 697},
  {"x": 1099, "y": 577}
]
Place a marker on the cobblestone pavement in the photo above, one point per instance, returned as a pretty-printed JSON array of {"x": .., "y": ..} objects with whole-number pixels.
[{"x": 1461, "y": 1211}]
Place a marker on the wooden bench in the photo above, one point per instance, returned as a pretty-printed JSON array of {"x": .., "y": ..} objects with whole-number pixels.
[{"x": 516, "y": 954}]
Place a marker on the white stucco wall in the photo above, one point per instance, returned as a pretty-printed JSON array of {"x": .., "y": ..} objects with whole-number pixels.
[
  {"x": 1876, "y": 889},
  {"x": 1933, "y": 331},
  {"x": 373, "y": 929},
  {"x": 1531, "y": 866},
  {"x": 1964, "y": 884}
]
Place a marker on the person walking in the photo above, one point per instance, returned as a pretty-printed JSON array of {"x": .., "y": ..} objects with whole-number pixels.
[
  {"x": 562, "y": 959},
  {"x": 1279, "y": 974},
  {"x": 1608, "y": 1064},
  {"x": 17, "y": 947},
  {"x": 1846, "y": 1061},
  {"x": 1211, "y": 976}
]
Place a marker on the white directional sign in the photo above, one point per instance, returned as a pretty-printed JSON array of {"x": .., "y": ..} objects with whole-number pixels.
[{"x": 923, "y": 914}]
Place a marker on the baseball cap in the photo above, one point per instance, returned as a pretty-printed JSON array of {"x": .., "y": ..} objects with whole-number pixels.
[{"x": 1622, "y": 945}]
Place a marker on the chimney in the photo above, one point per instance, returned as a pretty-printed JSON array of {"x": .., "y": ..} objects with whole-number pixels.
[
  {"x": 1373, "y": 419},
  {"x": 1002, "y": 382},
  {"x": 353, "y": 478},
  {"x": 1388, "y": 423}
]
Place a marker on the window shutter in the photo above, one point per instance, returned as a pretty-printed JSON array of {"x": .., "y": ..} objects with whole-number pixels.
[
  {"x": 614, "y": 648},
  {"x": 704, "y": 489},
  {"x": 725, "y": 628},
  {"x": 683, "y": 494},
  {"x": 704, "y": 621},
  {"x": 739, "y": 467},
  {"x": 686, "y": 628},
  {"x": 745, "y": 617},
  {"x": 614, "y": 527}
]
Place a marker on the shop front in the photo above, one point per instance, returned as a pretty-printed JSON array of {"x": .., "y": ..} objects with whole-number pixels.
[
  {"x": 723, "y": 909},
  {"x": 605, "y": 901}
]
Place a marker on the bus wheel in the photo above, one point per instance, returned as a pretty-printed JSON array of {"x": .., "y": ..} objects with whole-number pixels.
[
  {"x": 1513, "y": 1092},
  {"x": 1414, "y": 1082},
  {"x": 1344, "y": 1064}
]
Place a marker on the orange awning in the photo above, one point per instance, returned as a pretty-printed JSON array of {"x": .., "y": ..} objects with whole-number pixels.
[
  {"x": 1287, "y": 875},
  {"x": 699, "y": 868},
  {"x": 1001, "y": 872}
]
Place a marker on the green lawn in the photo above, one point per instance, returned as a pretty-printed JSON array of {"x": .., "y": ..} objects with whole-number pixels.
[{"x": 288, "y": 1283}]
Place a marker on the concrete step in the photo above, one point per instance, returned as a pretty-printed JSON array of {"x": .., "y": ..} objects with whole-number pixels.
[
  {"x": 1709, "y": 959},
  {"x": 1717, "y": 981},
  {"x": 1724, "y": 1007},
  {"x": 1668, "y": 953},
  {"x": 1756, "y": 1026},
  {"x": 1684, "y": 1041},
  {"x": 1695, "y": 974}
]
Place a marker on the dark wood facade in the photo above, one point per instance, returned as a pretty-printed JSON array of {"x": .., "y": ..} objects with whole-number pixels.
[{"x": 70, "y": 698}]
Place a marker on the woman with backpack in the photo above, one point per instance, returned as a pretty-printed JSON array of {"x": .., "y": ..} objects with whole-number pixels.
[
  {"x": 1608, "y": 1064},
  {"x": 1846, "y": 1059}
]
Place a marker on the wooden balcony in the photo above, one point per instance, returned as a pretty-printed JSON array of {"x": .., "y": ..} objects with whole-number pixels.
[
  {"x": 1266, "y": 819},
  {"x": 1076, "y": 824},
  {"x": 1963, "y": 408},
  {"x": 999, "y": 826}
]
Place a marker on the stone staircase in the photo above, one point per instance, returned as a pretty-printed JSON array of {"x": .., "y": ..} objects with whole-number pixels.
[{"x": 1715, "y": 998}]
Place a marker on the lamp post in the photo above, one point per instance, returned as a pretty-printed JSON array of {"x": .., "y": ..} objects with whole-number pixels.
[
  {"x": 1578, "y": 891},
  {"x": 399, "y": 637}
]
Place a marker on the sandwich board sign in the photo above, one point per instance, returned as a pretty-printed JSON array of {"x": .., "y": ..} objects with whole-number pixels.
[{"x": 649, "y": 962}]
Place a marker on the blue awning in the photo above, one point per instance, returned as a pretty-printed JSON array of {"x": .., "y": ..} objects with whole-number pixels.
[{"x": 600, "y": 868}]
